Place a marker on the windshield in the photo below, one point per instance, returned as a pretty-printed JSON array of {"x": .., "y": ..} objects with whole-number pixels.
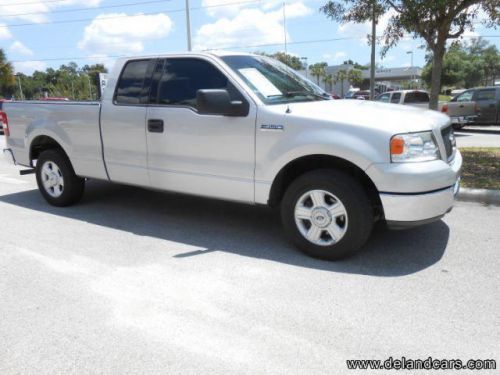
[{"x": 273, "y": 81}]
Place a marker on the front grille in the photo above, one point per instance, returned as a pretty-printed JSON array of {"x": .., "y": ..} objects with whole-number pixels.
[{"x": 448, "y": 140}]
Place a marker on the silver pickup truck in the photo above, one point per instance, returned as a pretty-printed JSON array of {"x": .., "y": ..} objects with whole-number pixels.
[{"x": 245, "y": 128}]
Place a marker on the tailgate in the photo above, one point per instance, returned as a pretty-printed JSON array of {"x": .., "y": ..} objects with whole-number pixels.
[{"x": 461, "y": 109}]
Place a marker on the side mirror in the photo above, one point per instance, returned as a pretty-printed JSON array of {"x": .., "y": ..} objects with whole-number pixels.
[{"x": 218, "y": 102}]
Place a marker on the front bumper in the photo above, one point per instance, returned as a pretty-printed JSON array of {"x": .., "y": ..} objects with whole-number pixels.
[
  {"x": 405, "y": 209},
  {"x": 9, "y": 156}
]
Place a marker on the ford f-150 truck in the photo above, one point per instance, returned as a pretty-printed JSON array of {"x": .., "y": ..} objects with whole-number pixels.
[{"x": 245, "y": 128}]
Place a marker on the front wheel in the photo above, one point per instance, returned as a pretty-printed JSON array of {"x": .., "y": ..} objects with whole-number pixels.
[
  {"x": 327, "y": 214},
  {"x": 56, "y": 179}
]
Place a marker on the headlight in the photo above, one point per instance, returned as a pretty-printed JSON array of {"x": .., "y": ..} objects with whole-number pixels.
[{"x": 414, "y": 147}]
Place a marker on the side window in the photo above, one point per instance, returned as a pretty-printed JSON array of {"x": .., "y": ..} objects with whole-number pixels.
[
  {"x": 396, "y": 97},
  {"x": 383, "y": 98},
  {"x": 485, "y": 95},
  {"x": 183, "y": 77},
  {"x": 465, "y": 96},
  {"x": 129, "y": 89}
]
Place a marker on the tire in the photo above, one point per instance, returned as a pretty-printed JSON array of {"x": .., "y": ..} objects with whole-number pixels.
[
  {"x": 56, "y": 179},
  {"x": 458, "y": 126},
  {"x": 311, "y": 206}
]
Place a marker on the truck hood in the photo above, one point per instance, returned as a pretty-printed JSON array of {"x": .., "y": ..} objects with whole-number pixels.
[{"x": 392, "y": 118}]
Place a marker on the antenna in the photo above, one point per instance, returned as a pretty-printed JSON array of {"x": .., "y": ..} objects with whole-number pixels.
[{"x": 286, "y": 49}]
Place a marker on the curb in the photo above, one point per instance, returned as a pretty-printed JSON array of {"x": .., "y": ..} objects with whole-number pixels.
[{"x": 485, "y": 196}]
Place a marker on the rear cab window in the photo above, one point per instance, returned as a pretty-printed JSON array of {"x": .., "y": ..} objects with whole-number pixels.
[
  {"x": 133, "y": 85},
  {"x": 416, "y": 97}
]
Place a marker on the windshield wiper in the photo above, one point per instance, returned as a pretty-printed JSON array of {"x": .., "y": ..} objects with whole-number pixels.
[
  {"x": 305, "y": 93},
  {"x": 290, "y": 94}
]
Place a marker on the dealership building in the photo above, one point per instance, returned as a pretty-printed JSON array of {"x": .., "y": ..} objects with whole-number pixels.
[{"x": 385, "y": 79}]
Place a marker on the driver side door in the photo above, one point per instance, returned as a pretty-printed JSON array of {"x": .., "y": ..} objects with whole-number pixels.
[{"x": 202, "y": 154}]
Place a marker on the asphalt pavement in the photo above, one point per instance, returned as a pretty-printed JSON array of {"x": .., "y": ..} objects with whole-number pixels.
[
  {"x": 478, "y": 136},
  {"x": 134, "y": 281}
]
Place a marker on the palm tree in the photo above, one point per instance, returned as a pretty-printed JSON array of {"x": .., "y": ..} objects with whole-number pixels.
[
  {"x": 328, "y": 81},
  {"x": 7, "y": 79},
  {"x": 340, "y": 76},
  {"x": 318, "y": 70},
  {"x": 355, "y": 77}
]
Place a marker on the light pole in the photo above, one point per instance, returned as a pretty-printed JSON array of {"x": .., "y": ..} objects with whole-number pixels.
[
  {"x": 20, "y": 86},
  {"x": 305, "y": 64},
  {"x": 188, "y": 26},
  {"x": 411, "y": 67},
  {"x": 372, "y": 56}
]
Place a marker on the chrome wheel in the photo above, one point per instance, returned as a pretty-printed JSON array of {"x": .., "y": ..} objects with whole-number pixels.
[
  {"x": 52, "y": 179},
  {"x": 321, "y": 217}
]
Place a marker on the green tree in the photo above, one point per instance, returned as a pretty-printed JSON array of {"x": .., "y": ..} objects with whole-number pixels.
[
  {"x": 355, "y": 77},
  {"x": 436, "y": 21},
  {"x": 328, "y": 81},
  {"x": 7, "y": 78},
  {"x": 318, "y": 70},
  {"x": 340, "y": 76},
  {"x": 467, "y": 65}
]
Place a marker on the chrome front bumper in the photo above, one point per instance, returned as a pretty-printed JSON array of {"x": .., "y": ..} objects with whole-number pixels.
[
  {"x": 404, "y": 210},
  {"x": 9, "y": 156}
]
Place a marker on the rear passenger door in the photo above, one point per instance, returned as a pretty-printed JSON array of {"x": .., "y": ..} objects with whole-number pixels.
[
  {"x": 487, "y": 102},
  {"x": 189, "y": 152},
  {"x": 123, "y": 124}
]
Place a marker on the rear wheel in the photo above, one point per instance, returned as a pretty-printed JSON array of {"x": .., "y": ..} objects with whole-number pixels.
[
  {"x": 327, "y": 214},
  {"x": 56, "y": 179}
]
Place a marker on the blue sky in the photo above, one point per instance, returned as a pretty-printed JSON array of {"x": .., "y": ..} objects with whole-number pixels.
[{"x": 34, "y": 32}]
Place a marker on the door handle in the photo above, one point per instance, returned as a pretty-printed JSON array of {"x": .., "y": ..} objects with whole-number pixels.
[{"x": 155, "y": 126}]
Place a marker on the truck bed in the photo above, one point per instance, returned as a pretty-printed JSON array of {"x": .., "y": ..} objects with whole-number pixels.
[{"x": 74, "y": 125}]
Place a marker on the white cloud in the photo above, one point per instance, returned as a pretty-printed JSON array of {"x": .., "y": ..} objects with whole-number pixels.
[
  {"x": 37, "y": 11},
  {"x": 4, "y": 32},
  {"x": 335, "y": 58},
  {"x": 20, "y": 48},
  {"x": 250, "y": 26},
  {"x": 119, "y": 33},
  {"x": 28, "y": 67}
]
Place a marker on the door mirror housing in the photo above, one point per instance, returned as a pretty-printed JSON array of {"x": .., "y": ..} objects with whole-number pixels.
[{"x": 218, "y": 102}]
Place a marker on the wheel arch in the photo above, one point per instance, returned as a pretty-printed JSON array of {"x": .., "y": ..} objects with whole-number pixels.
[
  {"x": 41, "y": 143},
  {"x": 301, "y": 165}
]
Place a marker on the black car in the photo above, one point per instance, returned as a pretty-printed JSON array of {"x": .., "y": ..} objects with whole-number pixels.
[{"x": 487, "y": 101}]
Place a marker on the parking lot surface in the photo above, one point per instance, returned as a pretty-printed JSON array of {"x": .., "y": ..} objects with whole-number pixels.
[
  {"x": 478, "y": 136},
  {"x": 134, "y": 281}
]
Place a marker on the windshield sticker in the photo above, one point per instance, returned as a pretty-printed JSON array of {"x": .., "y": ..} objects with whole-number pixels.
[{"x": 260, "y": 82}]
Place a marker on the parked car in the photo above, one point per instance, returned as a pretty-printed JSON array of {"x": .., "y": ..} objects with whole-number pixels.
[
  {"x": 486, "y": 102},
  {"x": 358, "y": 95},
  {"x": 460, "y": 113},
  {"x": 416, "y": 98},
  {"x": 242, "y": 127},
  {"x": 2, "y": 118}
]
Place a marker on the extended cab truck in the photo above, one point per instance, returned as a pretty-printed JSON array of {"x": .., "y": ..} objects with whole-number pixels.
[
  {"x": 486, "y": 101},
  {"x": 460, "y": 113},
  {"x": 245, "y": 128}
]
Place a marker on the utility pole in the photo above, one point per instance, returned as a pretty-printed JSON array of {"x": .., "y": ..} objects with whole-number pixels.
[
  {"x": 20, "y": 86},
  {"x": 411, "y": 68},
  {"x": 188, "y": 26},
  {"x": 372, "y": 63}
]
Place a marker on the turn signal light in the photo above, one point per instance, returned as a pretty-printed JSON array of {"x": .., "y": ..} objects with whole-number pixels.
[{"x": 397, "y": 146}]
